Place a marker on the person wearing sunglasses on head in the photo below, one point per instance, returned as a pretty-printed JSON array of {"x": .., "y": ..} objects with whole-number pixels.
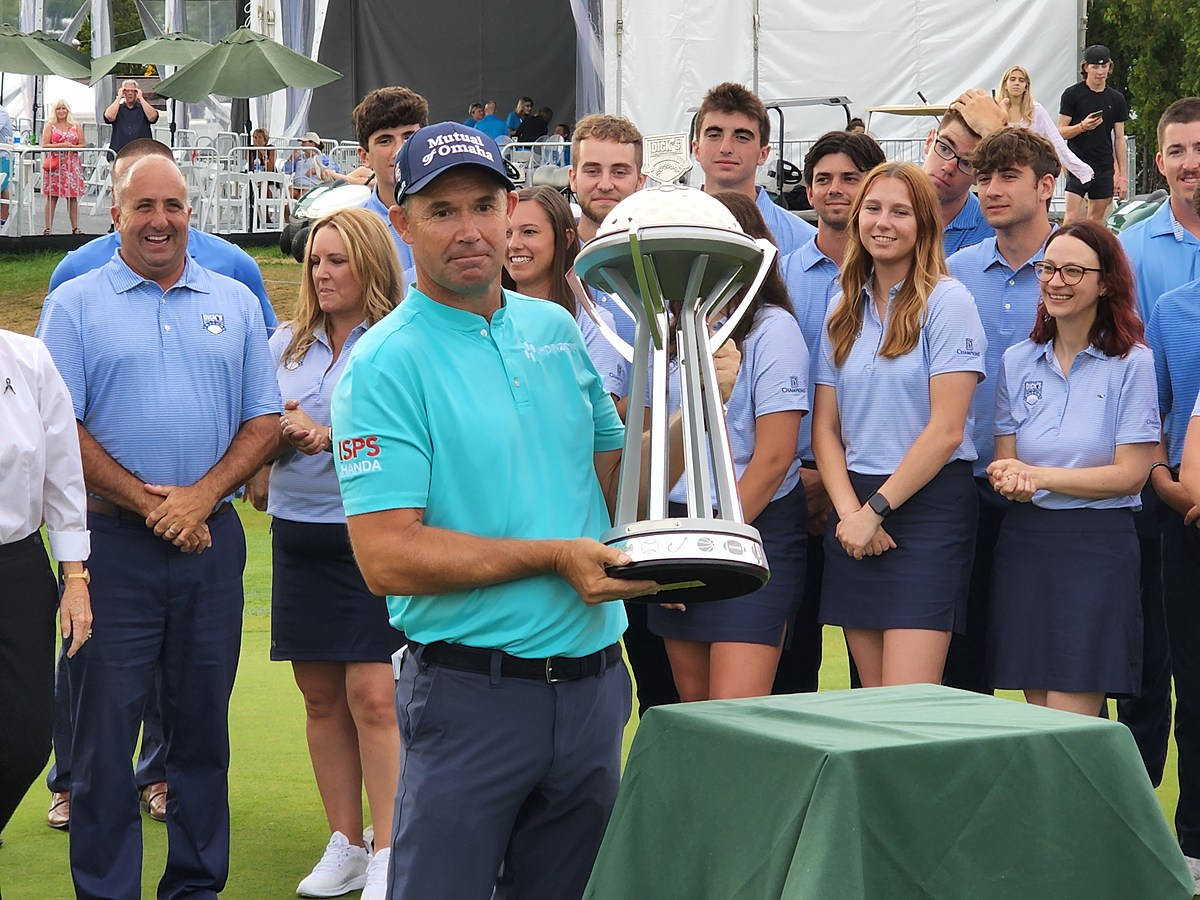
[{"x": 1077, "y": 428}]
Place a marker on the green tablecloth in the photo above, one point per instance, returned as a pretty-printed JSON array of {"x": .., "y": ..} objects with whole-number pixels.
[{"x": 891, "y": 793}]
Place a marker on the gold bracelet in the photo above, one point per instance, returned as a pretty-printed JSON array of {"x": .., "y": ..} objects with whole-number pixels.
[{"x": 85, "y": 575}]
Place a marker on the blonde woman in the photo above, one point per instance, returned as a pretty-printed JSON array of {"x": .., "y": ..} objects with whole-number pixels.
[
  {"x": 62, "y": 171},
  {"x": 901, "y": 353},
  {"x": 1015, "y": 96},
  {"x": 323, "y": 619}
]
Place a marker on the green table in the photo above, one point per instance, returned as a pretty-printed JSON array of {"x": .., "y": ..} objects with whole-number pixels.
[{"x": 891, "y": 793}]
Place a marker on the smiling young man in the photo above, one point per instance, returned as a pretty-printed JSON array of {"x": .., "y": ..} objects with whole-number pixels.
[
  {"x": 732, "y": 140},
  {"x": 383, "y": 120},
  {"x": 1091, "y": 116},
  {"x": 1015, "y": 171},
  {"x": 174, "y": 390}
]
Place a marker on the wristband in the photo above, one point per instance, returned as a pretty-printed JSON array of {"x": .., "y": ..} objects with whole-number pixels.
[{"x": 1164, "y": 465}]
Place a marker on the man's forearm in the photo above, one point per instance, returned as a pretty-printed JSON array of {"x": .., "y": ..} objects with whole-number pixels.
[
  {"x": 420, "y": 559},
  {"x": 111, "y": 112},
  {"x": 103, "y": 475},
  {"x": 253, "y": 444}
]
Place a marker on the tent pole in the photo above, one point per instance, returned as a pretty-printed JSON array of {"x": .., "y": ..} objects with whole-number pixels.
[{"x": 756, "y": 24}]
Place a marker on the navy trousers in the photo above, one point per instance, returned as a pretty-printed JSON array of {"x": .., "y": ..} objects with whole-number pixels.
[
  {"x": 648, "y": 658},
  {"x": 155, "y": 608},
  {"x": 502, "y": 769},
  {"x": 151, "y": 763},
  {"x": 1181, "y": 581},
  {"x": 1148, "y": 715}
]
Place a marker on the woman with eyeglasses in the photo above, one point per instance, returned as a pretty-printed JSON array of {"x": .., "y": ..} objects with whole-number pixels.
[
  {"x": 1077, "y": 428},
  {"x": 1015, "y": 97},
  {"x": 901, "y": 353}
]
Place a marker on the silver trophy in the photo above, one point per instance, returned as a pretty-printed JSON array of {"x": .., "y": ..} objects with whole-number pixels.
[{"x": 659, "y": 245}]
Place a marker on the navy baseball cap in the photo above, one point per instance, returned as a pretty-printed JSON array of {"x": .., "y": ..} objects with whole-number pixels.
[
  {"x": 1097, "y": 55},
  {"x": 436, "y": 149}
]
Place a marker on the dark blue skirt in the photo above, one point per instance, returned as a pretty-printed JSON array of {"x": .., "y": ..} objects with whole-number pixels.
[
  {"x": 1065, "y": 611},
  {"x": 923, "y": 582},
  {"x": 757, "y": 618},
  {"x": 321, "y": 609}
]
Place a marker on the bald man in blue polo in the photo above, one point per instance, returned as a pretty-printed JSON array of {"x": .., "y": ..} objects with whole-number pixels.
[{"x": 477, "y": 451}]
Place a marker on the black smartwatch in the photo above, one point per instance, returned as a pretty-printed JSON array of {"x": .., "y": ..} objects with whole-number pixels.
[{"x": 879, "y": 505}]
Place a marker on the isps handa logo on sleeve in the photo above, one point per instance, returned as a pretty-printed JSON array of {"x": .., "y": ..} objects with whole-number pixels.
[{"x": 358, "y": 455}]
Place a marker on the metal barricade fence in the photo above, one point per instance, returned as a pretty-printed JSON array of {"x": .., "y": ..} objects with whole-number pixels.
[{"x": 26, "y": 181}]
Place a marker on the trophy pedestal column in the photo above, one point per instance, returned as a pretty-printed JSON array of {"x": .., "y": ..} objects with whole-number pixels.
[{"x": 694, "y": 560}]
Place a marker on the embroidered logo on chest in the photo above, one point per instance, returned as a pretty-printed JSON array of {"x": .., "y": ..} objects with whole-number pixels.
[
  {"x": 1032, "y": 392},
  {"x": 214, "y": 323}
]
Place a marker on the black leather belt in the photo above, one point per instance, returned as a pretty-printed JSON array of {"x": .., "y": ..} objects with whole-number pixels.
[
  {"x": 551, "y": 669},
  {"x": 120, "y": 513}
]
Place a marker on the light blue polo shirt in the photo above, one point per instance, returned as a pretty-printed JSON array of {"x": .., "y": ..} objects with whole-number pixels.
[
  {"x": 773, "y": 378},
  {"x": 624, "y": 324},
  {"x": 967, "y": 228},
  {"x": 1076, "y": 421},
  {"x": 1174, "y": 336},
  {"x": 611, "y": 365},
  {"x": 304, "y": 488},
  {"x": 212, "y": 252},
  {"x": 813, "y": 279},
  {"x": 403, "y": 250},
  {"x": 790, "y": 232},
  {"x": 491, "y": 428},
  {"x": 1007, "y": 304},
  {"x": 162, "y": 380},
  {"x": 1163, "y": 254},
  {"x": 884, "y": 403}
]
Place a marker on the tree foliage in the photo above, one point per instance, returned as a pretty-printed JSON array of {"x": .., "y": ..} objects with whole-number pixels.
[{"x": 1156, "y": 60}]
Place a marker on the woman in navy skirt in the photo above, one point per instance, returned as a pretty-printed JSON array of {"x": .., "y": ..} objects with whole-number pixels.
[
  {"x": 1077, "y": 428},
  {"x": 323, "y": 618},
  {"x": 730, "y": 648},
  {"x": 901, "y": 354}
]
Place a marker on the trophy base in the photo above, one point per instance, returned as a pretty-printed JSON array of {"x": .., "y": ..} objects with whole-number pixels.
[{"x": 695, "y": 560}]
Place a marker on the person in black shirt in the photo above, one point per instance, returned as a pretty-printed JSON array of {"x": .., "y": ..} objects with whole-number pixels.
[
  {"x": 535, "y": 126},
  {"x": 1091, "y": 116},
  {"x": 130, "y": 115}
]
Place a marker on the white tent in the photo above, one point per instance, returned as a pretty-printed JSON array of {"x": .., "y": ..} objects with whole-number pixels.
[{"x": 661, "y": 56}]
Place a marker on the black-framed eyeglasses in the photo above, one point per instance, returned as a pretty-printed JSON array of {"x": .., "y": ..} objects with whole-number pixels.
[
  {"x": 1071, "y": 274},
  {"x": 945, "y": 151}
]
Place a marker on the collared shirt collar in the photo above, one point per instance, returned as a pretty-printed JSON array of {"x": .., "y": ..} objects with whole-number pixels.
[
  {"x": 124, "y": 279},
  {"x": 451, "y": 317},
  {"x": 869, "y": 295},
  {"x": 991, "y": 254},
  {"x": 355, "y": 332},
  {"x": 1091, "y": 350},
  {"x": 811, "y": 255},
  {"x": 970, "y": 216}
]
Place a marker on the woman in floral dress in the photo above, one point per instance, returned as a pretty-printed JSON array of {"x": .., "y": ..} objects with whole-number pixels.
[{"x": 62, "y": 172}]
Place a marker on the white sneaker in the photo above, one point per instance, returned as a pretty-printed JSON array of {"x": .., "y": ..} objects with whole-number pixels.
[
  {"x": 1194, "y": 866},
  {"x": 343, "y": 868},
  {"x": 377, "y": 872}
]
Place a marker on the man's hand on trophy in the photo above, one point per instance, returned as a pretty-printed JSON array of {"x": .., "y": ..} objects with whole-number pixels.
[
  {"x": 583, "y": 562},
  {"x": 728, "y": 360}
]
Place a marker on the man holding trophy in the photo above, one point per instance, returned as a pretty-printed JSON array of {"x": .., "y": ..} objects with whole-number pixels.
[{"x": 479, "y": 458}]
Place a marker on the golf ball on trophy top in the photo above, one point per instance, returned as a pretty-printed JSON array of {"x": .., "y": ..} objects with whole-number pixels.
[{"x": 669, "y": 205}]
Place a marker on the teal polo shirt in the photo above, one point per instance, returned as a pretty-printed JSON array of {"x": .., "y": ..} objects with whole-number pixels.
[{"x": 490, "y": 427}]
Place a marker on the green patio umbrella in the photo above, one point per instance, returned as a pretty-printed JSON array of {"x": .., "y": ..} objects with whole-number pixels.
[
  {"x": 166, "y": 50},
  {"x": 173, "y": 49},
  {"x": 37, "y": 53},
  {"x": 245, "y": 64}
]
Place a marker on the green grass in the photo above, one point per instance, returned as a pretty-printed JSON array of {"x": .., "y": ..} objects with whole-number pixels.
[{"x": 279, "y": 827}]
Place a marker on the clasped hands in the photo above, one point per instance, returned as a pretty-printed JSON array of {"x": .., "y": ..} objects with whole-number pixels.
[
  {"x": 302, "y": 432},
  {"x": 1013, "y": 479},
  {"x": 181, "y": 516},
  {"x": 861, "y": 534}
]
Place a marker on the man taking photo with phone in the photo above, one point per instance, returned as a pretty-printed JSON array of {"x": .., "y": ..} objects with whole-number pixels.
[{"x": 1091, "y": 116}]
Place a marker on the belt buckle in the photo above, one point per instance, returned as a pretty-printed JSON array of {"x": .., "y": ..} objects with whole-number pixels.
[{"x": 550, "y": 678}]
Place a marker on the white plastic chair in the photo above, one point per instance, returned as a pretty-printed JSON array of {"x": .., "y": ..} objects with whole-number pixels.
[
  {"x": 224, "y": 208},
  {"x": 270, "y": 200}
]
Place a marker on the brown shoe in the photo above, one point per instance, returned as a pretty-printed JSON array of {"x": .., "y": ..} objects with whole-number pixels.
[
  {"x": 154, "y": 800},
  {"x": 60, "y": 810}
]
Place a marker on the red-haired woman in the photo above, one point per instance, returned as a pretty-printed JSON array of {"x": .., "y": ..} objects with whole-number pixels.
[{"x": 1077, "y": 429}]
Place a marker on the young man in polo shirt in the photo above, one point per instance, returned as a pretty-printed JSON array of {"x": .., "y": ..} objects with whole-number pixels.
[
  {"x": 383, "y": 120},
  {"x": 732, "y": 140},
  {"x": 1015, "y": 171},
  {"x": 499, "y": 584}
]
